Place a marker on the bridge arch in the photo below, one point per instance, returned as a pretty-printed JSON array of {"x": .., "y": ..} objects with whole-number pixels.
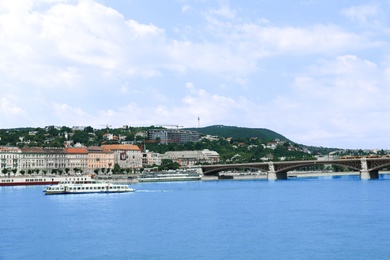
[
  {"x": 225, "y": 167},
  {"x": 355, "y": 166}
]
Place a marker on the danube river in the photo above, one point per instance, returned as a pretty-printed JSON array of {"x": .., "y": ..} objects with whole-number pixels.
[{"x": 300, "y": 218}]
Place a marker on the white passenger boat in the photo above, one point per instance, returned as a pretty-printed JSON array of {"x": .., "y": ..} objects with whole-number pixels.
[
  {"x": 91, "y": 187},
  {"x": 169, "y": 176},
  {"x": 41, "y": 180}
]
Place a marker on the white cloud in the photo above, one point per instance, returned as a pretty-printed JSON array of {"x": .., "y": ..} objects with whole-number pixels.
[
  {"x": 344, "y": 99},
  {"x": 9, "y": 107},
  {"x": 362, "y": 13}
]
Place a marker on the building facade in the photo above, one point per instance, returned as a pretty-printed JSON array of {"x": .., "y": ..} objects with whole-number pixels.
[
  {"x": 151, "y": 158},
  {"x": 10, "y": 157},
  {"x": 76, "y": 159},
  {"x": 89, "y": 159},
  {"x": 127, "y": 156},
  {"x": 173, "y": 135},
  {"x": 99, "y": 159},
  {"x": 191, "y": 158}
]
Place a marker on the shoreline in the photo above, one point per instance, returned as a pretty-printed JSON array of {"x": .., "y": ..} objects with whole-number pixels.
[
  {"x": 132, "y": 179},
  {"x": 290, "y": 175}
]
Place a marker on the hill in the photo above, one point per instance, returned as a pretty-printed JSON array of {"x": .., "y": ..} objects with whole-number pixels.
[{"x": 239, "y": 132}]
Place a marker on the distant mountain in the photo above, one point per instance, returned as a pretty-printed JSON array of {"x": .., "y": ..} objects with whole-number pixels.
[{"x": 239, "y": 132}]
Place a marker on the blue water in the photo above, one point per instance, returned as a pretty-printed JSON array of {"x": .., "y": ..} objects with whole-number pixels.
[{"x": 325, "y": 218}]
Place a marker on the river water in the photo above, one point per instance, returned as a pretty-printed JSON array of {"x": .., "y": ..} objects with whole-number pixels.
[{"x": 300, "y": 218}]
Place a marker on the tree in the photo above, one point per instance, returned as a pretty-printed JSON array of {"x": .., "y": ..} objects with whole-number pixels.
[
  {"x": 167, "y": 164},
  {"x": 88, "y": 129},
  {"x": 80, "y": 137},
  {"x": 117, "y": 169}
]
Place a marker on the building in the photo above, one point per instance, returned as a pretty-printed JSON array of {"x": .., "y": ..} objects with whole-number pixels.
[
  {"x": 99, "y": 159},
  {"x": 55, "y": 159},
  {"x": 76, "y": 159},
  {"x": 71, "y": 160},
  {"x": 173, "y": 135},
  {"x": 32, "y": 158},
  {"x": 191, "y": 158},
  {"x": 127, "y": 156},
  {"x": 151, "y": 158},
  {"x": 9, "y": 157}
]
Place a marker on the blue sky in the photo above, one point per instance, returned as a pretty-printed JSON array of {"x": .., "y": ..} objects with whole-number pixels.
[{"x": 315, "y": 71}]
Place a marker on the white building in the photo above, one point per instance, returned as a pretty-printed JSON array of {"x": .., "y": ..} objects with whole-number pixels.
[{"x": 191, "y": 158}]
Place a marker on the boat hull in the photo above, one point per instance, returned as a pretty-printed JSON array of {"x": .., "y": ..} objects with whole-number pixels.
[
  {"x": 40, "y": 180},
  {"x": 166, "y": 179},
  {"x": 28, "y": 183},
  {"x": 85, "y": 188},
  {"x": 88, "y": 192}
]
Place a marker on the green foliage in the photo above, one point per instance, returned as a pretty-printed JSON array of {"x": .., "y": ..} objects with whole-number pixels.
[
  {"x": 117, "y": 169},
  {"x": 239, "y": 132},
  {"x": 168, "y": 165}
]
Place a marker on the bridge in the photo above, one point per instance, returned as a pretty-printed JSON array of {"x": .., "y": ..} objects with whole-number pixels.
[{"x": 368, "y": 168}]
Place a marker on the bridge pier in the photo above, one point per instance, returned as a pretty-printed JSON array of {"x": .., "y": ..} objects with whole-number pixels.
[
  {"x": 365, "y": 174},
  {"x": 272, "y": 175},
  {"x": 368, "y": 175}
]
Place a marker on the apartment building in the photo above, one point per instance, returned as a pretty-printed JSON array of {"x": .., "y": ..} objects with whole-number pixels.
[
  {"x": 125, "y": 155},
  {"x": 173, "y": 135},
  {"x": 99, "y": 159},
  {"x": 151, "y": 158},
  {"x": 76, "y": 158},
  {"x": 9, "y": 157},
  {"x": 33, "y": 158}
]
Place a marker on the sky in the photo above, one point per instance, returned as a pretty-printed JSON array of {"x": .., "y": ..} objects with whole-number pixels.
[{"x": 315, "y": 71}]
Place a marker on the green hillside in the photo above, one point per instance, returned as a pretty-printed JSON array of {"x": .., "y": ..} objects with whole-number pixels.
[{"x": 239, "y": 132}]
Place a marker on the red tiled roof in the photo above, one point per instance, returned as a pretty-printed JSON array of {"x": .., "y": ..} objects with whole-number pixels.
[
  {"x": 122, "y": 147},
  {"x": 76, "y": 150}
]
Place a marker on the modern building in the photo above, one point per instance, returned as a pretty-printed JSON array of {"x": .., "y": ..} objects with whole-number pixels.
[{"x": 173, "y": 135}]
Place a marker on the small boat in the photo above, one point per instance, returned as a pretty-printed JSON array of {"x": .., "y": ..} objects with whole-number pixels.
[
  {"x": 83, "y": 188},
  {"x": 169, "y": 176}
]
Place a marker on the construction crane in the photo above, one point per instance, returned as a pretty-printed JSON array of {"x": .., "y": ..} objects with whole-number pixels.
[{"x": 177, "y": 126}]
